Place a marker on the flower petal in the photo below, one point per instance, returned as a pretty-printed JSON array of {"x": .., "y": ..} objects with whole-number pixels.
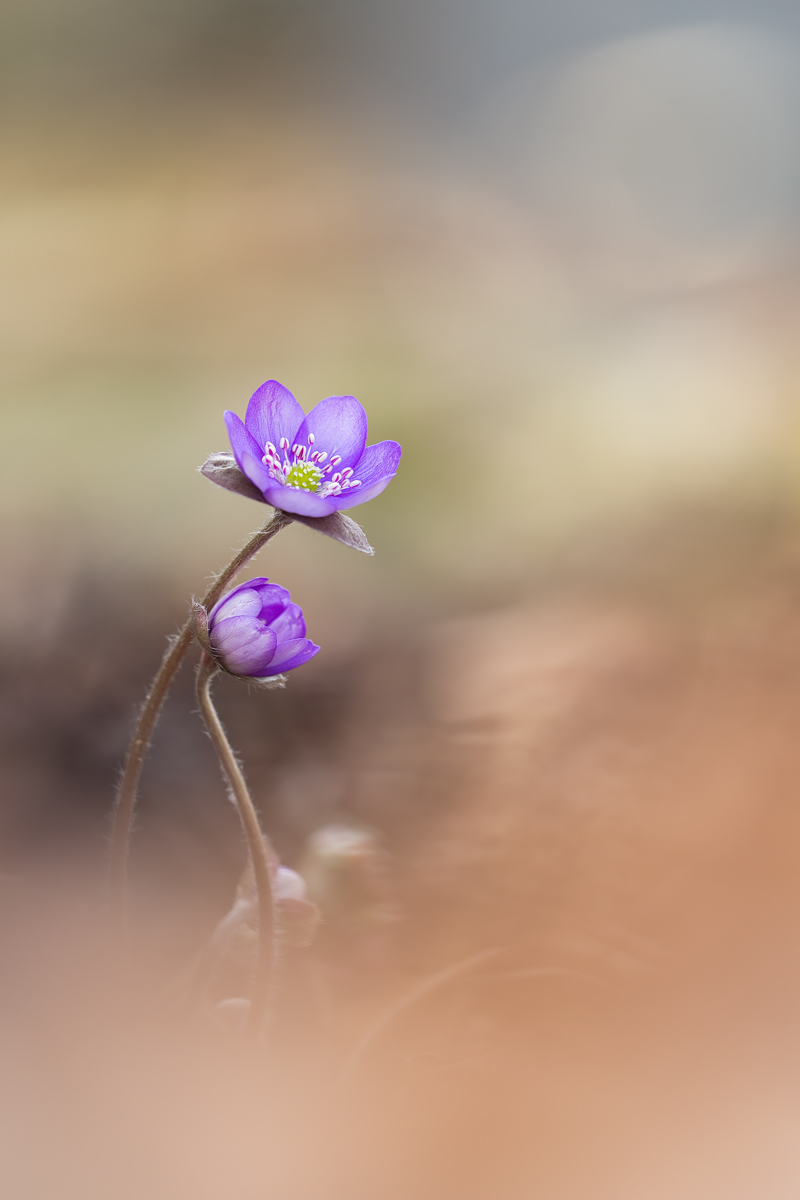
[
  {"x": 273, "y": 413},
  {"x": 246, "y": 452},
  {"x": 244, "y": 645},
  {"x": 242, "y": 601},
  {"x": 361, "y": 495},
  {"x": 274, "y": 600},
  {"x": 288, "y": 885},
  {"x": 377, "y": 462},
  {"x": 290, "y": 655},
  {"x": 295, "y": 500},
  {"x": 339, "y": 426},
  {"x": 289, "y": 624}
]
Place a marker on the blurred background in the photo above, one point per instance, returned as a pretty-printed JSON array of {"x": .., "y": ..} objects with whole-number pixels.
[{"x": 554, "y": 251}]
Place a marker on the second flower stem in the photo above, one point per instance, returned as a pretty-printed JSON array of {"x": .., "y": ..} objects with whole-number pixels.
[
  {"x": 142, "y": 735},
  {"x": 256, "y": 843}
]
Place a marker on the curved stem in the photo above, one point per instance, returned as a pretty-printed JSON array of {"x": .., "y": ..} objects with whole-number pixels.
[
  {"x": 176, "y": 651},
  {"x": 256, "y": 842}
]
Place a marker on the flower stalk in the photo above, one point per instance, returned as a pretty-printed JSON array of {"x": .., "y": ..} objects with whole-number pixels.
[
  {"x": 261, "y": 852},
  {"x": 142, "y": 735}
]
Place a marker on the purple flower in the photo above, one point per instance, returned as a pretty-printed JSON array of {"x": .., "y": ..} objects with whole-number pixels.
[
  {"x": 255, "y": 631},
  {"x": 311, "y": 465}
]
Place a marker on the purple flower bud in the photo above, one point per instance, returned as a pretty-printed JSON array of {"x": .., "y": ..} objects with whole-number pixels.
[
  {"x": 256, "y": 631},
  {"x": 297, "y": 916}
]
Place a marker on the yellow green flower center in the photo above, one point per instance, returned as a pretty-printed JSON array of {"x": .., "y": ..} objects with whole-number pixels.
[{"x": 304, "y": 475}]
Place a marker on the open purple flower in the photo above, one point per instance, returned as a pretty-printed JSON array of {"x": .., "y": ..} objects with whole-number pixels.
[
  {"x": 311, "y": 465},
  {"x": 255, "y": 631}
]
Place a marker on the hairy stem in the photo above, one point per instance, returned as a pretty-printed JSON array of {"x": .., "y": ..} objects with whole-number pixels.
[
  {"x": 260, "y": 851},
  {"x": 142, "y": 735}
]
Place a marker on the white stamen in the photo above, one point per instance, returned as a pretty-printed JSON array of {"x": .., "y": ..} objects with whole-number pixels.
[{"x": 311, "y": 439}]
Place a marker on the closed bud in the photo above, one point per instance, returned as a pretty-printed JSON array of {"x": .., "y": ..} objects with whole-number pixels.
[{"x": 255, "y": 632}]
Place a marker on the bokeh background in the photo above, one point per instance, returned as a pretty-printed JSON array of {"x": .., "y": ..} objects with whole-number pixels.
[{"x": 554, "y": 250}]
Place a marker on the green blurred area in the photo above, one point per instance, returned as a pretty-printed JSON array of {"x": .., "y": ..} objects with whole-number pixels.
[{"x": 158, "y": 264}]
